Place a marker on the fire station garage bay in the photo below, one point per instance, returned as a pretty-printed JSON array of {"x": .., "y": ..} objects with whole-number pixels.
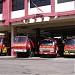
[{"x": 36, "y": 19}]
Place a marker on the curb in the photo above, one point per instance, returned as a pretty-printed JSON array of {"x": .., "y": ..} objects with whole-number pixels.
[{"x": 7, "y": 56}]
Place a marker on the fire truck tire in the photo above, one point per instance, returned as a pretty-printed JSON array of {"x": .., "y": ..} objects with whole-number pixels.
[
  {"x": 31, "y": 53},
  {"x": 48, "y": 56},
  {"x": 9, "y": 52},
  {"x": 55, "y": 56},
  {"x": 22, "y": 54},
  {"x": 19, "y": 54},
  {"x": 0, "y": 54},
  {"x": 60, "y": 53}
]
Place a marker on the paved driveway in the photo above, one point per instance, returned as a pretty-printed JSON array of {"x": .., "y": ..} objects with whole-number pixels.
[{"x": 37, "y": 66}]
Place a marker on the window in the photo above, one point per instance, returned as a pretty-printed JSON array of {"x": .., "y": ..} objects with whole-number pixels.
[
  {"x": 63, "y": 1},
  {"x": 47, "y": 42},
  {"x": 17, "y": 5},
  {"x": 34, "y": 3},
  {"x": 70, "y": 42},
  {"x": 1, "y": 7},
  {"x": 20, "y": 39}
]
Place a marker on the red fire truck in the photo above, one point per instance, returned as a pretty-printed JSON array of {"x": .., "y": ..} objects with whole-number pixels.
[
  {"x": 5, "y": 46},
  {"x": 51, "y": 46},
  {"x": 69, "y": 48},
  {"x": 48, "y": 46},
  {"x": 23, "y": 46}
]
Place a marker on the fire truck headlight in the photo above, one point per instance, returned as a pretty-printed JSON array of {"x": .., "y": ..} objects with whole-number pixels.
[{"x": 25, "y": 50}]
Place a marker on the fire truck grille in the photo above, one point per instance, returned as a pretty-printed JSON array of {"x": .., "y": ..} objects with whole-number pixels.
[{"x": 47, "y": 50}]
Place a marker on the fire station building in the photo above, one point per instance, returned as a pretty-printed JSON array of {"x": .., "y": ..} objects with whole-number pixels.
[{"x": 37, "y": 17}]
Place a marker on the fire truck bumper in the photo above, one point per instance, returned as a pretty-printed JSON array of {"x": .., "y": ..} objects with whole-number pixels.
[
  {"x": 19, "y": 50},
  {"x": 51, "y": 53},
  {"x": 67, "y": 53}
]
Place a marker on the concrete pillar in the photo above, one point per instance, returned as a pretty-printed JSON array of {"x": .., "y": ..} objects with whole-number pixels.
[
  {"x": 37, "y": 39},
  {"x": 12, "y": 37}
]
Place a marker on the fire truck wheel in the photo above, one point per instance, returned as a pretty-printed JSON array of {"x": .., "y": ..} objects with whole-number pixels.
[
  {"x": 31, "y": 53},
  {"x": 19, "y": 54},
  {"x": 0, "y": 54},
  {"x": 8, "y": 52}
]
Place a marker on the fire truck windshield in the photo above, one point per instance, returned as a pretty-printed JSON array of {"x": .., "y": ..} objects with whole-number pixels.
[
  {"x": 20, "y": 39},
  {"x": 70, "y": 42},
  {"x": 47, "y": 42}
]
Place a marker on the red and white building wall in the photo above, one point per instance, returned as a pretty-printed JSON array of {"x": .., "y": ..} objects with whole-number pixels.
[{"x": 46, "y": 9}]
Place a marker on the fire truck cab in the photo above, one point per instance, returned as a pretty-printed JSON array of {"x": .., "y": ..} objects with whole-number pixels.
[
  {"x": 69, "y": 48},
  {"x": 23, "y": 46},
  {"x": 51, "y": 46},
  {"x": 48, "y": 46}
]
